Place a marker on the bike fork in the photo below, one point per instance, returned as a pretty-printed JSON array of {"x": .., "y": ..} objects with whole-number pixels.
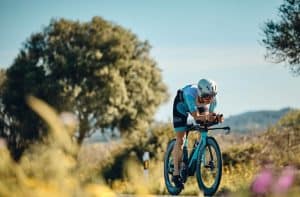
[{"x": 203, "y": 147}]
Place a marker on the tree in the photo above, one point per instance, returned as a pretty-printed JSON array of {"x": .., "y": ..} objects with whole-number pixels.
[
  {"x": 282, "y": 38},
  {"x": 97, "y": 69},
  {"x": 2, "y": 79},
  {"x": 291, "y": 120}
]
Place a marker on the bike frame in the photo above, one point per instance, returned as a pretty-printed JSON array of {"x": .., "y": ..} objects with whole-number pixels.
[{"x": 192, "y": 159}]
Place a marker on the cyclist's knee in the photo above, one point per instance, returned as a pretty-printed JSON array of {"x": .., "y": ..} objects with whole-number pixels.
[
  {"x": 179, "y": 138},
  {"x": 179, "y": 141}
]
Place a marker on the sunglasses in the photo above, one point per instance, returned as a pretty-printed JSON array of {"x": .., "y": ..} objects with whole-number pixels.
[{"x": 207, "y": 96}]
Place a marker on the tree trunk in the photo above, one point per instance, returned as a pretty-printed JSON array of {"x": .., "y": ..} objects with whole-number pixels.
[{"x": 82, "y": 130}]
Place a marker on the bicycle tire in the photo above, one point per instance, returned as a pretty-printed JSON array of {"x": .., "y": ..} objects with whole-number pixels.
[
  {"x": 172, "y": 189},
  {"x": 211, "y": 143}
]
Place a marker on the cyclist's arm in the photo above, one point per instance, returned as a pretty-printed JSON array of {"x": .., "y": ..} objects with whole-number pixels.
[
  {"x": 213, "y": 105},
  {"x": 200, "y": 116},
  {"x": 211, "y": 116},
  {"x": 212, "y": 113},
  {"x": 191, "y": 103}
]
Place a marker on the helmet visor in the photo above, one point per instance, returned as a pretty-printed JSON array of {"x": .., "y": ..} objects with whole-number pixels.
[{"x": 207, "y": 96}]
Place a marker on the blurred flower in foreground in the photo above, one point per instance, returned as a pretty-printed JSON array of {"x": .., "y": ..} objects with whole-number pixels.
[
  {"x": 266, "y": 183},
  {"x": 262, "y": 183},
  {"x": 285, "y": 181}
]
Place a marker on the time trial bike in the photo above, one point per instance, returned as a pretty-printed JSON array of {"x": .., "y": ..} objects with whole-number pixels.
[{"x": 205, "y": 160}]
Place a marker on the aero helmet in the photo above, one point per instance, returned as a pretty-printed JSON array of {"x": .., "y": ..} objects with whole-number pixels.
[{"x": 207, "y": 87}]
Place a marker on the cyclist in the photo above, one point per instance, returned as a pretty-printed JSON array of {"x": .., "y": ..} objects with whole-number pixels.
[{"x": 198, "y": 100}]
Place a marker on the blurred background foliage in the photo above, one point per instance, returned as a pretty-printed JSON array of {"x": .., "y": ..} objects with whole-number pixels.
[
  {"x": 281, "y": 37},
  {"x": 97, "y": 69},
  {"x": 47, "y": 168},
  {"x": 243, "y": 156}
]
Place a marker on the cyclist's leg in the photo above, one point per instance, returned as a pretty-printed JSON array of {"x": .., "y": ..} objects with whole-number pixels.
[
  {"x": 179, "y": 123},
  {"x": 177, "y": 152}
]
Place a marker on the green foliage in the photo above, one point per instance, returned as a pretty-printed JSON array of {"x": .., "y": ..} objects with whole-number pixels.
[
  {"x": 278, "y": 145},
  {"x": 2, "y": 77},
  {"x": 48, "y": 168},
  {"x": 282, "y": 38},
  {"x": 154, "y": 141},
  {"x": 291, "y": 120},
  {"x": 97, "y": 69},
  {"x": 284, "y": 138},
  {"x": 160, "y": 135},
  {"x": 2, "y": 123},
  {"x": 243, "y": 153},
  {"x": 243, "y": 157}
]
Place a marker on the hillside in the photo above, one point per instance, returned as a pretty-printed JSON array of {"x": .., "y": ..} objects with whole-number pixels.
[
  {"x": 255, "y": 120},
  {"x": 245, "y": 122}
]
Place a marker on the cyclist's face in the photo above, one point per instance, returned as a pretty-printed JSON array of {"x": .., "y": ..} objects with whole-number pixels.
[{"x": 206, "y": 99}]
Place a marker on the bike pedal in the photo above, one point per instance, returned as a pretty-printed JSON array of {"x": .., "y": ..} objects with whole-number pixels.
[
  {"x": 182, "y": 186},
  {"x": 177, "y": 180}
]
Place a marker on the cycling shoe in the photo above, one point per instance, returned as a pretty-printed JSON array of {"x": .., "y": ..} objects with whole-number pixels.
[{"x": 177, "y": 180}]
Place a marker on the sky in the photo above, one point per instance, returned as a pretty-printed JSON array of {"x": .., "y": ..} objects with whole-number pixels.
[{"x": 219, "y": 40}]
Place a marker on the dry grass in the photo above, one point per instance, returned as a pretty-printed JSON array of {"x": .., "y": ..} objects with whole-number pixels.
[
  {"x": 247, "y": 155},
  {"x": 57, "y": 167},
  {"x": 49, "y": 168}
]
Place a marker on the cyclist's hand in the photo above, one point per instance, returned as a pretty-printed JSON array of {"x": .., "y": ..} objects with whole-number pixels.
[
  {"x": 212, "y": 117},
  {"x": 202, "y": 118},
  {"x": 220, "y": 118}
]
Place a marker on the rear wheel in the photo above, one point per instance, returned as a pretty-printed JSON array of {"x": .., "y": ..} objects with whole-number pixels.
[
  {"x": 209, "y": 167},
  {"x": 169, "y": 168}
]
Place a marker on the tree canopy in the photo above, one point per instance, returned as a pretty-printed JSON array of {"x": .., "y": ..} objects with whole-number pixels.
[
  {"x": 282, "y": 38},
  {"x": 99, "y": 70},
  {"x": 2, "y": 76},
  {"x": 2, "y": 79}
]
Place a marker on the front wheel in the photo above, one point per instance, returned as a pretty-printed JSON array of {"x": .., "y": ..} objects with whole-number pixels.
[
  {"x": 169, "y": 168},
  {"x": 209, "y": 167}
]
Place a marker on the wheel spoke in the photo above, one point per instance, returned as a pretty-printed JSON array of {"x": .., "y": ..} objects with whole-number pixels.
[{"x": 209, "y": 167}]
